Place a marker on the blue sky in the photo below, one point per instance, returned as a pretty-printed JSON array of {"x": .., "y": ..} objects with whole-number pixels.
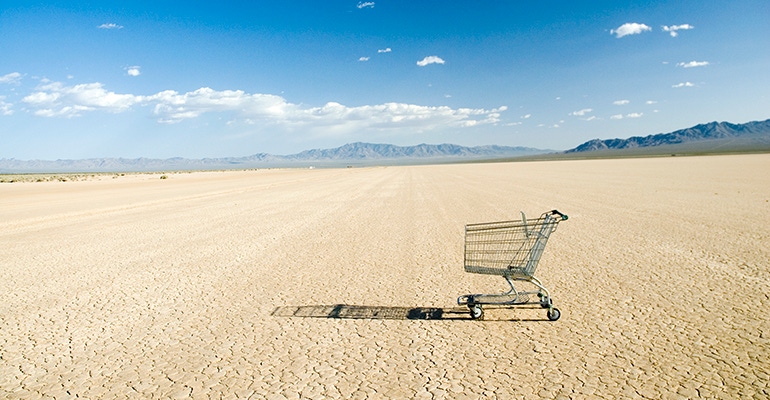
[{"x": 196, "y": 79}]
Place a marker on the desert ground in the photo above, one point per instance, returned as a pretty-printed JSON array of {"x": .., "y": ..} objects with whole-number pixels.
[{"x": 342, "y": 283}]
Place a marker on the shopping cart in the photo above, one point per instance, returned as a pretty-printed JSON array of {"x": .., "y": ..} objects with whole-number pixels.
[{"x": 512, "y": 250}]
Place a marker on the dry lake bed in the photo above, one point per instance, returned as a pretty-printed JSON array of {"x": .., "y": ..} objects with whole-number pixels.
[{"x": 342, "y": 283}]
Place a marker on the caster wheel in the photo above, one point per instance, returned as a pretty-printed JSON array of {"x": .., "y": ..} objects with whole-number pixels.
[
  {"x": 553, "y": 314},
  {"x": 476, "y": 312},
  {"x": 545, "y": 301}
]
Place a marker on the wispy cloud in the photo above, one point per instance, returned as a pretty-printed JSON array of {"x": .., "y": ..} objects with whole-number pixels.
[
  {"x": 630, "y": 28},
  {"x": 110, "y": 26},
  {"x": 134, "y": 70},
  {"x": 12, "y": 78},
  {"x": 174, "y": 107},
  {"x": 672, "y": 30},
  {"x": 365, "y": 4},
  {"x": 621, "y": 102},
  {"x": 683, "y": 84},
  {"x": 430, "y": 60},
  {"x": 363, "y": 59},
  {"x": 526, "y": 116},
  {"x": 630, "y": 115},
  {"x": 650, "y": 102},
  {"x": 693, "y": 64},
  {"x": 5, "y": 108},
  {"x": 582, "y": 112},
  {"x": 169, "y": 106},
  {"x": 385, "y": 50}
]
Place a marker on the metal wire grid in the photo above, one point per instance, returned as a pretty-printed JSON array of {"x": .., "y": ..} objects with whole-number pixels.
[{"x": 508, "y": 247}]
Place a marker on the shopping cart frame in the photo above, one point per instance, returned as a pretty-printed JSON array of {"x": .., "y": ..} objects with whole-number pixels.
[{"x": 511, "y": 249}]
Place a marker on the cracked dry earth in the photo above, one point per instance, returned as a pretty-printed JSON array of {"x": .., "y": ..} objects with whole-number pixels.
[{"x": 341, "y": 283}]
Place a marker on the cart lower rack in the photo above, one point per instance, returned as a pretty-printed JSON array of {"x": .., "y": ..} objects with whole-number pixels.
[{"x": 511, "y": 249}]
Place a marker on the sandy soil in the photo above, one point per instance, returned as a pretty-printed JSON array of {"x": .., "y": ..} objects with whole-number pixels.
[{"x": 342, "y": 283}]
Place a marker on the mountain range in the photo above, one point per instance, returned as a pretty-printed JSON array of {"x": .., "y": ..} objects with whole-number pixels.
[
  {"x": 352, "y": 153},
  {"x": 703, "y": 132},
  {"x": 704, "y": 137}
]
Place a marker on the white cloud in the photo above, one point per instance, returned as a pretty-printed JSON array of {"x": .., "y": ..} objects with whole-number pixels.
[
  {"x": 363, "y": 59},
  {"x": 41, "y": 98},
  {"x": 65, "y": 112},
  {"x": 369, "y": 4},
  {"x": 582, "y": 112},
  {"x": 683, "y": 84},
  {"x": 110, "y": 26},
  {"x": 430, "y": 60},
  {"x": 133, "y": 71},
  {"x": 339, "y": 118},
  {"x": 650, "y": 102},
  {"x": 693, "y": 64},
  {"x": 674, "y": 28},
  {"x": 5, "y": 108},
  {"x": 630, "y": 28},
  {"x": 591, "y": 118},
  {"x": 526, "y": 116},
  {"x": 12, "y": 78},
  {"x": 631, "y": 115},
  {"x": 385, "y": 50},
  {"x": 620, "y": 102},
  {"x": 172, "y": 107},
  {"x": 57, "y": 100}
]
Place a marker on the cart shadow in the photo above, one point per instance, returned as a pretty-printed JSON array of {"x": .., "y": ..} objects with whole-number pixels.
[{"x": 346, "y": 311}]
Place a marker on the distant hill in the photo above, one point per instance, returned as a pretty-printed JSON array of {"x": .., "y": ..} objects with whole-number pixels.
[
  {"x": 357, "y": 153},
  {"x": 370, "y": 151},
  {"x": 703, "y": 132}
]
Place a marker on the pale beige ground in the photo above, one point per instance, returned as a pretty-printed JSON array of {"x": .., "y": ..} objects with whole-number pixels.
[{"x": 221, "y": 284}]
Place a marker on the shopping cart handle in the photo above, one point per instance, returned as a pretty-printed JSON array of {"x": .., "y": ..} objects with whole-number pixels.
[{"x": 563, "y": 216}]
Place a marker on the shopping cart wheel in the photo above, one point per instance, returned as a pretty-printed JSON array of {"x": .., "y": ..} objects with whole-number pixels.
[
  {"x": 545, "y": 302},
  {"x": 476, "y": 311},
  {"x": 553, "y": 314}
]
